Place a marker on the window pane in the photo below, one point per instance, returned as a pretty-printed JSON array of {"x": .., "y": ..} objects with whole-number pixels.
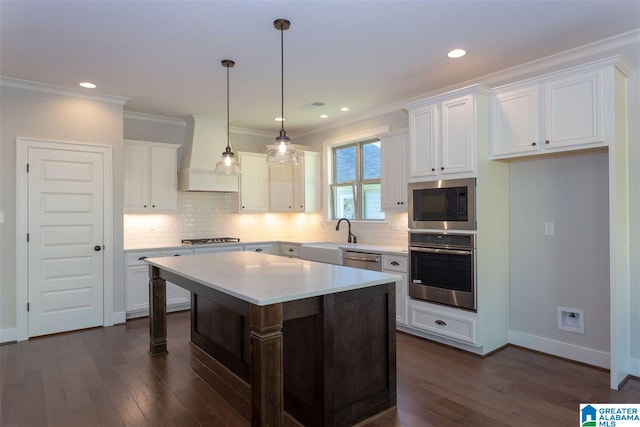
[
  {"x": 344, "y": 205},
  {"x": 371, "y": 202},
  {"x": 345, "y": 164},
  {"x": 371, "y": 160}
]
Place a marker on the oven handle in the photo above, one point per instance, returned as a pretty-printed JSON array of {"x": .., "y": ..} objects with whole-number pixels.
[{"x": 440, "y": 251}]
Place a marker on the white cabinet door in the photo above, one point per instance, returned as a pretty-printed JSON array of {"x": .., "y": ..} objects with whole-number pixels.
[
  {"x": 398, "y": 265},
  {"x": 163, "y": 179},
  {"x": 136, "y": 178},
  {"x": 422, "y": 141},
  {"x": 281, "y": 187},
  {"x": 574, "y": 111},
  {"x": 306, "y": 183},
  {"x": 515, "y": 123},
  {"x": 254, "y": 182},
  {"x": 290, "y": 250},
  {"x": 150, "y": 176},
  {"x": 457, "y": 147},
  {"x": 393, "y": 178}
]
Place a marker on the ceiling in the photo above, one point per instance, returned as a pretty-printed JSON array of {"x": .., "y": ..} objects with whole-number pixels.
[{"x": 165, "y": 55}]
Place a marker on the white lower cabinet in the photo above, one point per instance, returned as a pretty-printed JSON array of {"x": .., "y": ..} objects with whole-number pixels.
[
  {"x": 449, "y": 323},
  {"x": 137, "y": 284},
  {"x": 398, "y": 265},
  {"x": 264, "y": 248},
  {"x": 290, "y": 250}
]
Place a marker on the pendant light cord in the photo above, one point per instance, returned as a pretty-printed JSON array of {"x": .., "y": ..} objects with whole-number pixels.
[
  {"x": 282, "y": 77},
  {"x": 227, "y": 107}
]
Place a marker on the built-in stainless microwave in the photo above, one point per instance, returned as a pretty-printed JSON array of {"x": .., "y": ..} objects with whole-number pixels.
[{"x": 443, "y": 205}]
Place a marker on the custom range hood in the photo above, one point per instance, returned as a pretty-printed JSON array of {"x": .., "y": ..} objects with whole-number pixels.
[{"x": 206, "y": 138}]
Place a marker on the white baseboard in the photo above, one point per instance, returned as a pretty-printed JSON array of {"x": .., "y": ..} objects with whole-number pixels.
[
  {"x": 561, "y": 349},
  {"x": 118, "y": 317},
  {"x": 8, "y": 335}
]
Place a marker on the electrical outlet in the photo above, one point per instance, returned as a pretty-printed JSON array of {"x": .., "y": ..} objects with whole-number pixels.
[{"x": 549, "y": 228}]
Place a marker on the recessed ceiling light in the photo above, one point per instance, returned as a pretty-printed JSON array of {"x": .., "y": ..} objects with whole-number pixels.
[
  {"x": 344, "y": 109},
  {"x": 457, "y": 53},
  {"x": 279, "y": 119},
  {"x": 323, "y": 116},
  {"x": 88, "y": 85}
]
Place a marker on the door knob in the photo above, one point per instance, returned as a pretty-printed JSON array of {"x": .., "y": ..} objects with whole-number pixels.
[{"x": 97, "y": 248}]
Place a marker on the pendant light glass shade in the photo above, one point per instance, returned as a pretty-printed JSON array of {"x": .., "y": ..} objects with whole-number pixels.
[
  {"x": 228, "y": 164},
  {"x": 282, "y": 153}
]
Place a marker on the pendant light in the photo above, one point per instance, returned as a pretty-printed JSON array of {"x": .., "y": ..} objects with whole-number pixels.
[
  {"x": 282, "y": 153},
  {"x": 228, "y": 164}
]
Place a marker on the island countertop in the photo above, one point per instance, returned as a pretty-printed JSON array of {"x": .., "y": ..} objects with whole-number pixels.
[{"x": 263, "y": 279}]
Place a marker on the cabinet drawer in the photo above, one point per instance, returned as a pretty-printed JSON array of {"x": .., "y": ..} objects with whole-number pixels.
[
  {"x": 137, "y": 258},
  {"x": 449, "y": 325},
  {"x": 394, "y": 263},
  {"x": 265, "y": 249},
  {"x": 291, "y": 250}
]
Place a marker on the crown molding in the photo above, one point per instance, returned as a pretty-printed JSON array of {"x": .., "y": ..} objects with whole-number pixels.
[
  {"x": 251, "y": 132},
  {"x": 60, "y": 90},
  {"x": 133, "y": 115}
]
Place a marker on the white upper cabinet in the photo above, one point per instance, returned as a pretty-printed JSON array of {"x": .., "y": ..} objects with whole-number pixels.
[
  {"x": 442, "y": 135},
  {"x": 557, "y": 112},
  {"x": 150, "y": 177},
  {"x": 393, "y": 171},
  {"x": 254, "y": 182},
  {"x": 295, "y": 188}
]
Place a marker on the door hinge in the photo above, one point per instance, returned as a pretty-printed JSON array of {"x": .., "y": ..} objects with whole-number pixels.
[
  {"x": 27, "y": 237},
  {"x": 28, "y": 306},
  {"x": 27, "y": 167}
]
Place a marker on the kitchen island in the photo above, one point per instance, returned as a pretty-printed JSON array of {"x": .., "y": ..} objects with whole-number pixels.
[{"x": 316, "y": 340}]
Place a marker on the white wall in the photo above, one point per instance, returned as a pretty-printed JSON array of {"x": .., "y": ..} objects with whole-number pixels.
[
  {"x": 571, "y": 268},
  {"x": 33, "y": 114}
]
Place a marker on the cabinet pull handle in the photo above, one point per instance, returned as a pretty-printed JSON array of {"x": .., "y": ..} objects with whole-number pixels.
[
  {"x": 395, "y": 263},
  {"x": 259, "y": 250},
  {"x": 441, "y": 322},
  {"x": 290, "y": 250},
  {"x": 142, "y": 258},
  {"x": 533, "y": 144},
  {"x": 547, "y": 141},
  {"x": 176, "y": 255}
]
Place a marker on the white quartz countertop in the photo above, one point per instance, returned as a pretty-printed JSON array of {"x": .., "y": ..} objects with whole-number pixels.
[{"x": 263, "y": 279}]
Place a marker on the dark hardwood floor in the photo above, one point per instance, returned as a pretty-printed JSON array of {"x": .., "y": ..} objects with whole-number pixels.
[{"x": 104, "y": 377}]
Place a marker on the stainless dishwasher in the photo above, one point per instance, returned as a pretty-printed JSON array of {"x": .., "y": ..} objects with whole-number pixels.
[{"x": 362, "y": 260}]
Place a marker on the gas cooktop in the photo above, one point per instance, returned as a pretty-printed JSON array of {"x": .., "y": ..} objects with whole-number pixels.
[{"x": 209, "y": 240}]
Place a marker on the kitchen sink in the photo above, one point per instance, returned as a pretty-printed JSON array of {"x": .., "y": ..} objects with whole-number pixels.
[{"x": 328, "y": 252}]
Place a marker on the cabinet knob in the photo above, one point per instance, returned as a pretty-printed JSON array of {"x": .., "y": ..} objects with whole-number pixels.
[
  {"x": 289, "y": 207},
  {"x": 97, "y": 248},
  {"x": 153, "y": 206},
  {"x": 243, "y": 207},
  {"x": 301, "y": 206},
  {"x": 442, "y": 168},
  {"x": 533, "y": 144},
  {"x": 441, "y": 322},
  {"x": 433, "y": 169},
  {"x": 397, "y": 203},
  {"x": 547, "y": 141},
  {"x": 145, "y": 206}
]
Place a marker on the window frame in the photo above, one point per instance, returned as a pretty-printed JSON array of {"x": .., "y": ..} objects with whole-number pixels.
[{"x": 358, "y": 184}]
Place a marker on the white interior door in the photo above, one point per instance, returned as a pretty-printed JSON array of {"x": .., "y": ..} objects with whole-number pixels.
[{"x": 66, "y": 237}]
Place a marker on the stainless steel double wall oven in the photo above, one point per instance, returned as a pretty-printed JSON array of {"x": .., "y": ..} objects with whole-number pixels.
[{"x": 442, "y": 250}]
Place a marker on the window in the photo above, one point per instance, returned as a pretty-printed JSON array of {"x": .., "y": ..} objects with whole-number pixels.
[{"x": 355, "y": 184}]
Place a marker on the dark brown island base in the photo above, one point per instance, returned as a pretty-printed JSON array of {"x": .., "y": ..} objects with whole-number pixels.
[{"x": 324, "y": 353}]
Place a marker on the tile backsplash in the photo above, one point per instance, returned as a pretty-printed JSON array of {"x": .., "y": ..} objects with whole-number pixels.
[{"x": 216, "y": 215}]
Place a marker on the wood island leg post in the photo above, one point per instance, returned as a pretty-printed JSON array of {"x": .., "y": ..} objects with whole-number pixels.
[
  {"x": 157, "y": 313},
  {"x": 267, "y": 400}
]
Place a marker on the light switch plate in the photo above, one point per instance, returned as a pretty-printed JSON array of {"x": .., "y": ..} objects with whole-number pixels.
[{"x": 549, "y": 228}]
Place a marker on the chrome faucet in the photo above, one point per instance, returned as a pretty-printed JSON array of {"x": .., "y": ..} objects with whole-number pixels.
[{"x": 352, "y": 238}]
